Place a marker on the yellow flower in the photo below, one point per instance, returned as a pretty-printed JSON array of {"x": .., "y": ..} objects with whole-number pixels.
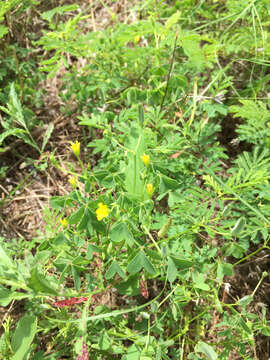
[
  {"x": 145, "y": 159},
  {"x": 102, "y": 211},
  {"x": 64, "y": 222},
  {"x": 73, "y": 181},
  {"x": 150, "y": 189},
  {"x": 137, "y": 39},
  {"x": 75, "y": 147}
]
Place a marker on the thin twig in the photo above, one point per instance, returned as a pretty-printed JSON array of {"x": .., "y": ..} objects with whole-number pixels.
[
  {"x": 170, "y": 72},
  {"x": 93, "y": 18}
]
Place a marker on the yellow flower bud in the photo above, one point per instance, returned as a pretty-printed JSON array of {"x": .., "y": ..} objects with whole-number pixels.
[
  {"x": 102, "y": 211},
  {"x": 150, "y": 189},
  {"x": 75, "y": 147},
  {"x": 145, "y": 159},
  {"x": 137, "y": 39}
]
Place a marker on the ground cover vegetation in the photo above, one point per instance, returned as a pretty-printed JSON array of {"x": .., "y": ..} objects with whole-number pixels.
[{"x": 148, "y": 124}]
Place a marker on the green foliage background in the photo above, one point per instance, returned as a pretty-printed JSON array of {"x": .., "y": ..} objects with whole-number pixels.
[{"x": 187, "y": 83}]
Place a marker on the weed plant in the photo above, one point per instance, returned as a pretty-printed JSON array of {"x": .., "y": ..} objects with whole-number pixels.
[{"x": 137, "y": 259}]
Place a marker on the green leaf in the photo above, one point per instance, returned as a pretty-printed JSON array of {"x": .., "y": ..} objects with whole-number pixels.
[
  {"x": 3, "y": 31},
  {"x": 191, "y": 47},
  {"x": 227, "y": 209},
  {"x": 5, "y": 259},
  {"x": 207, "y": 350},
  {"x": 199, "y": 282},
  {"x": 104, "y": 341},
  {"x": 139, "y": 262},
  {"x": 135, "y": 145},
  {"x": 244, "y": 301},
  {"x": 244, "y": 326},
  {"x": 129, "y": 287},
  {"x": 181, "y": 262},
  {"x": 167, "y": 183},
  {"x": 141, "y": 115},
  {"x": 235, "y": 250},
  {"x": 6, "y": 296},
  {"x": 10, "y": 132},
  {"x": 4, "y": 348},
  {"x": 120, "y": 232},
  {"x": 173, "y": 19},
  {"x": 136, "y": 264},
  {"x": 266, "y": 330},
  {"x": 76, "y": 217},
  {"x": 115, "y": 268},
  {"x": 148, "y": 265},
  {"x": 28, "y": 140},
  {"x": 47, "y": 136},
  {"x": 77, "y": 278},
  {"x": 224, "y": 269},
  {"x": 239, "y": 226},
  {"x": 48, "y": 15},
  {"x": 40, "y": 284},
  {"x": 95, "y": 121},
  {"x": 95, "y": 225},
  {"x": 15, "y": 107},
  {"x": 172, "y": 270},
  {"x": 61, "y": 242},
  {"x": 57, "y": 202},
  {"x": 153, "y": 254},
  {"x": 84, "y": 220},
  {"x": 133, "y": 353},
  {"x": 90, "y": 250},
  {"x": 23, "y": 336}
]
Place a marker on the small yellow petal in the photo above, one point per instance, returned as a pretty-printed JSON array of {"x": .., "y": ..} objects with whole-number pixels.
[
  {"x": 73, "y": 181},
  {"x": 137, "y": 39},
  {"x": 64, "y": 222},
  {"x": 150, "y": 189},
  {"x": 145, "y": 159},
  {"x": 75, "y": 147}
]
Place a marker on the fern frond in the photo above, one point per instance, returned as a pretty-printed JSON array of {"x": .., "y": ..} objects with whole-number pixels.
[
  {"x": 251, "y": 169},
  {"x": 256, "y": 114}
]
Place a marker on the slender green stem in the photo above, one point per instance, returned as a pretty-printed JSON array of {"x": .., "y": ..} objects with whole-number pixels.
[
  {"x": 152, "y": 239},
  {"x": 248, "y": 256},
  {"x": 135, "y": 174},
  {"x": 264, "y": 274}
]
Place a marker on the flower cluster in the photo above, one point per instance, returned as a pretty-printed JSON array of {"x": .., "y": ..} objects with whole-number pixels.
[{"x": 102, "y": 211}]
